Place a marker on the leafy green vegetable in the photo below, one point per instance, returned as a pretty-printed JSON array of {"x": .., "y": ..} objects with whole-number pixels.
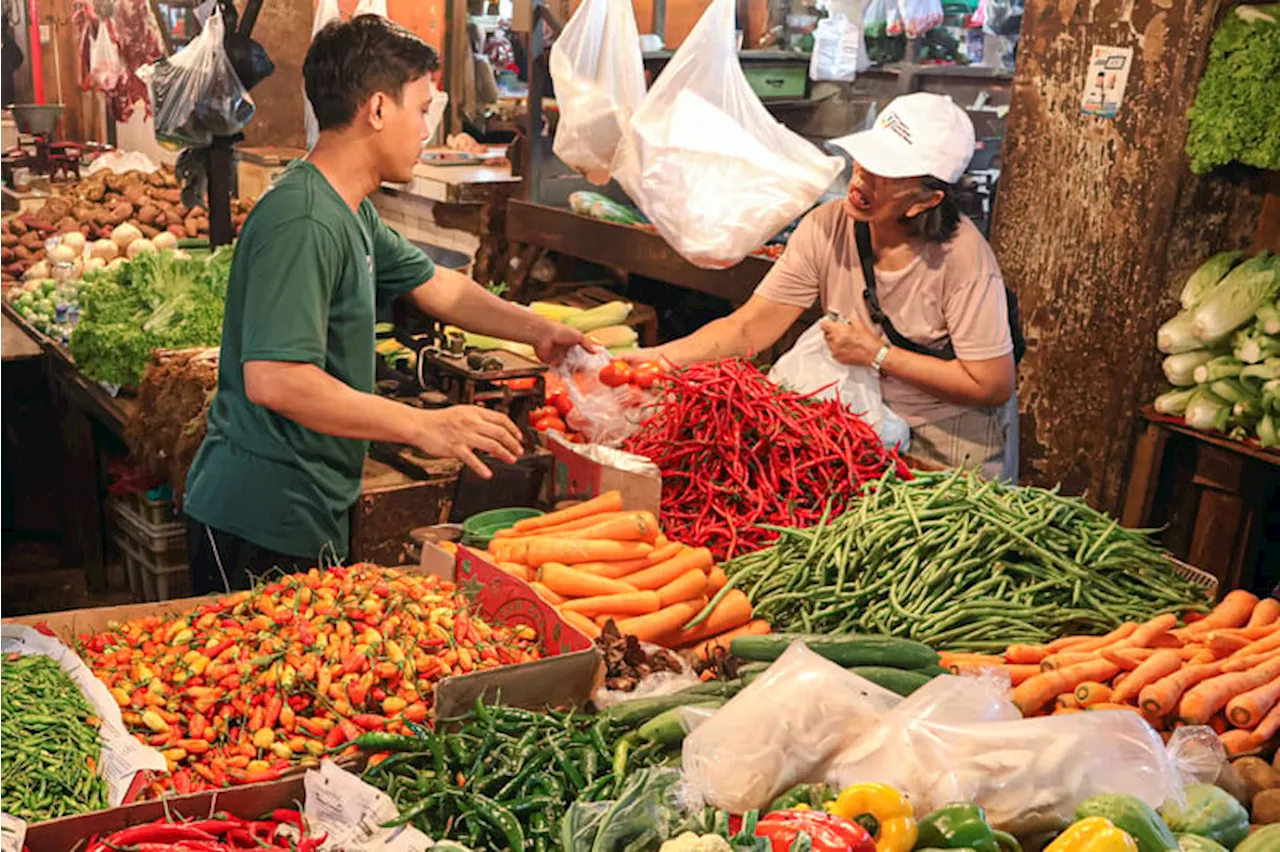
[{"x": 1234, "y": 117}]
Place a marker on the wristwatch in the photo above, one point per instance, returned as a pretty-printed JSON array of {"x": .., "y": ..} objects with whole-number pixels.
[{"x": 878, "y": 362}]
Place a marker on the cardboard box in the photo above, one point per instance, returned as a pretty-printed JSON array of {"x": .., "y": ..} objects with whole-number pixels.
[{"x": 584, "y": 471}]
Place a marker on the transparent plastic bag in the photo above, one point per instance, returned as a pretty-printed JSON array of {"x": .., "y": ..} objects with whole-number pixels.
[
  {"x": 604, "y": 415},
  {"x": 106, "y": 69},
  {"x": 657, "y": 683},
  {"x": 648, "y": 810},
  {"x": 326, "y": 11},
  {"x": 598, "y": 73},
  {"x": 196, "y": 92},
  {"x": 706, "y": 162},
  {"x": 809, "y": 366},
  {"x": 875, "y": 18},
  {"x": 837, "y": 50},
  {"x": 780, "y": 730},
  {"x": 920, "y": 16}
]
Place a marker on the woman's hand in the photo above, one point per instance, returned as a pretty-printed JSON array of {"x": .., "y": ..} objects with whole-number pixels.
[{"x": 851, "y": 342}]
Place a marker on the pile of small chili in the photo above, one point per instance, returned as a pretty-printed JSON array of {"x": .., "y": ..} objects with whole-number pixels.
[
  {"x": 284, "y": 830},
  {"x": 243, "y": 688},
  {"x": 736, "y": 452}
]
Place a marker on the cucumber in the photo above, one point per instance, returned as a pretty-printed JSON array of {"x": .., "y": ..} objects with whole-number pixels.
[
  {"x": 667, "y": 728},
  {"x": 633, "y": 714},
  {"x": 847, "y": 650},
  {"x": 933, "y": 670},
  {"x": 902, "y": 681}
]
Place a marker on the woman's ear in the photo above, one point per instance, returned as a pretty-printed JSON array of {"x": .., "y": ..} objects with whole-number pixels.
[{"x": 929, "y": 199}]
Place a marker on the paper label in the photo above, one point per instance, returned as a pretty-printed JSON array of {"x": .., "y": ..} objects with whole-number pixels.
[
  {"x": 351, "y": 812},
  {"x": 13, "y": 833},
  {"x": 1105, "y": 80}
]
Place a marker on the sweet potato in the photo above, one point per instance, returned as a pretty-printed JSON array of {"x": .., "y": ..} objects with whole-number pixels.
[
  {"x": 178, "y": 231},
  {"x": 147, "y": 214},
  {"x": 94, "y": 190},
  {"x": 173, "y": 196},
  {"x": 17, "y": 227},
  {"x": 67, "y": 224},
  {"x": 6, "y": 256},
  {"x": 135, "y": 193},
  {"x": 21, "y": 254},
  {"x": 9, "y": 240},
  {"x": 148, "y": 231},
  {"x": 32, "y": 240}
]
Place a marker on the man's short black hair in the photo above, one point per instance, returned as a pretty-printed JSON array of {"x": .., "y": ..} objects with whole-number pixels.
[
  {"x": 348, "y": 62},
  {"x": 940, "y": 222}
]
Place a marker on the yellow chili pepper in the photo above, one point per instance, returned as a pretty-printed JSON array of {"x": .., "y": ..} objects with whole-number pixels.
[
  {"x": 1093, "y": 834},
  {"x": 264, "y": 737},
  {"x": 155, "y": 722},
  {"x": 895, "y": 818}
]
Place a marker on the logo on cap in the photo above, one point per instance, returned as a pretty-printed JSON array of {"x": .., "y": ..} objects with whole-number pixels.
[{"x": 893, "y": 122}]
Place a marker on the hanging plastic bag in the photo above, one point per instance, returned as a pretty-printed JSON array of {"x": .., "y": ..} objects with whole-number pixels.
[
  {"x": 706, "y": 162},
  {"x": 893, "y": 25},
  {"x": 875, "y": 18},
  {"x": 106, "y": 69},
  {"x": 809, "y": 367},
  {"x": 837, "y": 50},
  {"x": 371, "y": 7},
  {"x": 920, "y": 16},
  {"x": 598, "y": 73},
  {"x": 326, "y": 11},
  {"x": 196, "y": 92}
]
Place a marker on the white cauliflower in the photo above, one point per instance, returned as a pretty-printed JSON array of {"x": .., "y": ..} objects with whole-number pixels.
[{"x": 690, "y": 842}]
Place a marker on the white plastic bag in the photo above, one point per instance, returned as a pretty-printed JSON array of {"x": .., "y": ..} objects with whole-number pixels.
[
  {"x": 326, "y": 11},
  {"x": 106, "y": 68},
  {"x": 780, "y": 730},
  {"x": 920, "y": 16},
  {"x": 370, "y": 7},
  {"x": 706, "y": 162},
  {"x": 837, "y": 50},
  {"x": 809, "y": 366},
  {"x": 598, "y": 73},
  {"x": 196, "y": 93}
]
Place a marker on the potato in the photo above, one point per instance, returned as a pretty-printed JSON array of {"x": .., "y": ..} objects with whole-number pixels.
[
  {"x": 40, "y": 269},
  {"x": 1232, "y": 780},
  {"x": 1257, "y": 774},
  {"x": 105, "y": 249},
  {"x": 94, "y": 190},
  {"x": 1266, "y": 807},
  {"x": 74, "y": 240},
  {"x": 113, "y": 265},
  {"x": 63, "y": 254},
  {"x": 93, "y": 263}
]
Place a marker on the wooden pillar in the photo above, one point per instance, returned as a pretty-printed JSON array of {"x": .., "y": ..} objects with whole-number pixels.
[
  {"x": 284, "y": 29},
  {"x": 1097, "y": 224}
]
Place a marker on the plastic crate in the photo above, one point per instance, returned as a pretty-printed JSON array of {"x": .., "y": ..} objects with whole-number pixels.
[
  {"x": 155, "y": 555},
  {"x": 147, "y": 579},
  {"x": 162, "y": 540},
  {"x": 156, "y": 512}
]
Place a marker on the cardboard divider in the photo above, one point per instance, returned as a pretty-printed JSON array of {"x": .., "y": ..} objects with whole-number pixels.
[{"x": 583, "y": 471}]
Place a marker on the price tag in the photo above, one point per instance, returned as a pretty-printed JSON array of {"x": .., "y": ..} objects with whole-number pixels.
[
  {"x": 13, "y": 833},
  {"x": 352, "y": 812}
]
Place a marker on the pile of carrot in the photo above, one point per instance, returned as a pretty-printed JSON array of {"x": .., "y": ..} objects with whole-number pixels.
[
  {"x": 1221, "y": 670},
  {"x": 596, "y": 561}
]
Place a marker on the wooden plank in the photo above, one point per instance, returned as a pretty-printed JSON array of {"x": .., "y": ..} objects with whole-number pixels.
[
  {"x": 631, "y": 249},
  {"x": 1144, "y": 476},
  {"x": 1216, "y": 538},
  {"x": 16, "y": 344},
  {"x": 1176, "y": 424}
]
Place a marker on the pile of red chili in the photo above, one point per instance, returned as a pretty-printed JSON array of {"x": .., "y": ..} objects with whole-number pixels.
[
  {"x": 219, "y": 833},
  {"x": 736, "y": 451}
]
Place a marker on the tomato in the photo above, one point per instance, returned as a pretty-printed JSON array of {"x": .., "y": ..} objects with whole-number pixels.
[
  {"x": 646, "y": 376},
  {"x": 545, "y": 411},
  {"x": 560, "y": 402},
  {"x": 550, "y": 424},
  {"x": 616, "y": 374}
]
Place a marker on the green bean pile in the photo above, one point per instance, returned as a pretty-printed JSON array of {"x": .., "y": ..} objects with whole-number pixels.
[
  {"x": 50, "y": 743},
  {"x": 962, "y": 564}
]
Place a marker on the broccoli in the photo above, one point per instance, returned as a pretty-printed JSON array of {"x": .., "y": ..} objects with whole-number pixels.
[{"x": 1235, "y": 117}]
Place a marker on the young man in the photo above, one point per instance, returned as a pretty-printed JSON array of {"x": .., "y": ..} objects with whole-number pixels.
[{"x": 295, "y": 409}]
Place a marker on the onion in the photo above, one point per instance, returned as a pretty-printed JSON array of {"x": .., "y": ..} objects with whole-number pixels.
[
  {"x": 92, "y": 263},
  {"x": 105, "y": 249},
  {"x": 138, "y": 246},
  {"x": 124, "y": 235},
  {"x": 63, "y": 253},
  {"x": 165, "y": 240},
  {"x": 75, "y": 241}
]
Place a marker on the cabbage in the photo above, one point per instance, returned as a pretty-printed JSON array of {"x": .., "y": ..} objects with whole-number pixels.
[
  {"x": 1180, "y": 369},
  {"x": 1174, "y": 402},
  {"x": 1237, "y": 298},
  {"x": 1209, "y": 274},
  {"x": 1206, "y": 412},
  {"x": 1178, "y": 335}
]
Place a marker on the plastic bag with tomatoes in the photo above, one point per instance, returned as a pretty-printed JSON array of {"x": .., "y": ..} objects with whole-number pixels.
[{"x": 600, "y": 398}]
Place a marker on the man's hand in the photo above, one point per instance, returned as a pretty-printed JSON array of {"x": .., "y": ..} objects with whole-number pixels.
[
  {"x": 851, "y": 342},
  {"x": 636, "y": 357},
  {"x": 556, "y": 342},
  {"x": 462, "y": 430}
]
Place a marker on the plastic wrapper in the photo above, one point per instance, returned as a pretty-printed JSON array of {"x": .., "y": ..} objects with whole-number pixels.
[
  {"x": 780, "y": 730},
  {"x": 704, "y": 160},
  {"x": 598, "y": 73},
  {"x": 106, "y": 68},
  {"x": 326, "y": 11},
  {"x": 649, "y": 809},
  {"x": 917, "y": 17},
  {"x": 604, "y": 415},
  {"x": 196, "y": 92},
  {"x": 949, "y": 743},
  {"x": 657, "y": 683},
  {"x": 809, "y": 367}
]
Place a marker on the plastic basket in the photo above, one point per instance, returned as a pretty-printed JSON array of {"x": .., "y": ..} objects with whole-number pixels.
[
  {"x": 1197, "y": 576},
  {"x": 159, "y": 539},
  {"x": 156, "y": 512},
  {"x": 487, "y": 523},
  {"x": 147, "y": 578}
]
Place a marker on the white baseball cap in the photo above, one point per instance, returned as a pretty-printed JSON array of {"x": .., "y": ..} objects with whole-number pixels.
[{"x": 915, "y": 135}]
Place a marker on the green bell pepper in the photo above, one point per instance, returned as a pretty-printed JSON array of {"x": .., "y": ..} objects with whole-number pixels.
[
  {"x": 962, "y": 825},
  {"x": 809, "y": 795},
  {"x": 1209, "y": 812},
  {"x": 1134, "y": 816},
  {"x": 1265, "y": 839}
]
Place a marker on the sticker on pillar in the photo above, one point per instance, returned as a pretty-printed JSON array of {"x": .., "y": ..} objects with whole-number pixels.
[{"x": 1105, "y": 79}]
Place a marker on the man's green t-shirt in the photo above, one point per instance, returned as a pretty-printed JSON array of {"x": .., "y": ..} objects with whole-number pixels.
[{"x": 305, "y": 280}]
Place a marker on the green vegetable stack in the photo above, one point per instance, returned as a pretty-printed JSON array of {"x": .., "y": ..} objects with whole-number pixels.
[
  {"x": 1224, "y": 349},
  {"x": 51, "y": 744},
  {"x": 1234, "y": 117}
]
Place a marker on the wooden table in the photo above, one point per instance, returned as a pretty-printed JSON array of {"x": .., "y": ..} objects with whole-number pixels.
[
  {"x": 1215, "y": 497},
  {"x": 15, "y": 344}
]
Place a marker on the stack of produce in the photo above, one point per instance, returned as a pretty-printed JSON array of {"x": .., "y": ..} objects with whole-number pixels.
[
  {"x": 52, "y": 307},
  {"x": 898, "y": 665},
  {"x": 282, "y": 829},
  {"x": 1223, "y": 670},
  {"x": 51, "y": 744},
  {"x": 603, "y": 325},
  {"x": 738, "y": 454},
  {"x": 1224, "y": 349},
  {"x": 962, "y": 564},
  {"x": 247, "y": 686},
  {"x": 597, "y": 563}
]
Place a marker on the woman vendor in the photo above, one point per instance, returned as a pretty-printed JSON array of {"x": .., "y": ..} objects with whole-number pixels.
[{"x": 934, "y": 321}]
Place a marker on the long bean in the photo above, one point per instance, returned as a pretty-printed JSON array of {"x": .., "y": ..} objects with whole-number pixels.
[{"x": 964, "y": 563}]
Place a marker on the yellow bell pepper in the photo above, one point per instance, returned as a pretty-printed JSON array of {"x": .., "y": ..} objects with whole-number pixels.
[
  {"x": 1093, "y": 834},
  {"x": 894, "y": 817}
]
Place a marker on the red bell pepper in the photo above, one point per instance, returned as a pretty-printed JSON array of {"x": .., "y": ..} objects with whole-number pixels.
[{"x": 827, "y": 832}]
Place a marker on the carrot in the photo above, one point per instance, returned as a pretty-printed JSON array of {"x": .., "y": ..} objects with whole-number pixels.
[
  {"x": 610, "y": 501},
  {"x": 663, "y": 553},
  {"x": 1127, "y": 659},
  {"x": 630, "y": 526},
  {"x": 546, "y": 594},
  {"x": 1161, "y": 697},
  {"x": 602, "y": 620},
  {"x": 1091, "y": 692},
  {"x": 570, "y": 551},
  {"x": 1066, "y": 642},
  {"x": 1239, "y": 743},
  {"x": 704, "y": 649},
  {"x": 1269, "y": 644},
  {"x": 1248, "y": 709},
  {"x": 1062, "y": 659},
  {"x": 661, "y": 541},
  {"x": 657, "y": 576},
  {"x": 627, "y": 603},
  {"x": 655, "y": 625},
  {"x": 733, "y": 611},
  {"x": 1026, "y": 654},
  {"x": 588, "y": 627},
  {"x": 1232, "y": 611},
  {"x": 1149, "y": 631},
  {"x": 1093, "y": 643},
  {"x": 571, "y": 526},
  {"x": 612, "y": 570},
  {"x": 1166, "y": 640},
  {"x": 515, "y": 570},
  {"x": 1270, "y": 724},
  {"x": 689, "y": 584},
  {"x": 1208, "y": 697},
  {"x": 971, "y": 662},
  {"x": 1163, "y": 662},
  {"x": 716, "y": 579},
  {"x": 1066, "y": 701},
  {"x": 1020, "y": 673},
  {"x": 1066, "y": 711},
  {"x": 1224, "y": 644},
  {"x": 1265, "y": 613},
  {"x": 1035, "y": 692},
  {"x": 566, "y": 581}
]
